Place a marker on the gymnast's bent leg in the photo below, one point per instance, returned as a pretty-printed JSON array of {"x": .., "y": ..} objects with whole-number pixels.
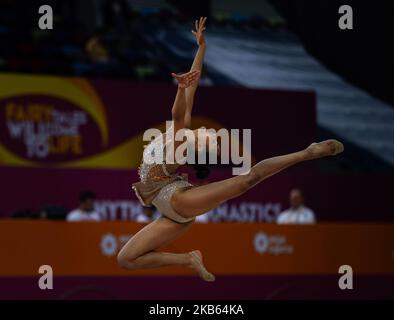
[{"x": 139, "y": 252}]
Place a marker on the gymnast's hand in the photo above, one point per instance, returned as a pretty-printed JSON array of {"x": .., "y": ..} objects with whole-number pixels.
[
  {"x": 187, "y": 79},
  {"x": 199, "y": 32}
]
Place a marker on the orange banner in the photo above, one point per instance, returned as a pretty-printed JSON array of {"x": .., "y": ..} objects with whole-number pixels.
[{"x": 245, "y": 249}]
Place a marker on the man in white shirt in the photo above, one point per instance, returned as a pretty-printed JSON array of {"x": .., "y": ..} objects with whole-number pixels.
[
  {"x": 85, "y": 211},
  {"x": 297, "y": 213}
]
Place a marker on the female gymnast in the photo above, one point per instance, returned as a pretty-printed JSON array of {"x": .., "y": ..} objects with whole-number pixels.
[{"x": 180, "y": 202}]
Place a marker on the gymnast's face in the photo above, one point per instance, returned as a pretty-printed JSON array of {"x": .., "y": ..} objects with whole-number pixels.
[{"x": 206, "y": 140}]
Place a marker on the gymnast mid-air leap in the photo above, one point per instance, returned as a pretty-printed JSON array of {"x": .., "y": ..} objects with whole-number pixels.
[{"x": 180, "y": 202}]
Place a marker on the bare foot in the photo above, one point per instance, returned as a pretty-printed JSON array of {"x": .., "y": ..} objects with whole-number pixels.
[
  {"x": 325, "y": 148},
  {"x": 197, "y": 264}
]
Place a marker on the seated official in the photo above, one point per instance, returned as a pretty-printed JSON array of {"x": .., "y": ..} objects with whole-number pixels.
[
  {"x": 86, "y": 210},
  {"x": 298, "y": 213}
]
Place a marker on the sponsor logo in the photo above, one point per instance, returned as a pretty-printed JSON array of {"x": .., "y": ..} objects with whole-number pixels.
[
  {"x": 129, "y": 210},
  {"x": 50, "y": 120},
  {"x": 275, "y": 244}
]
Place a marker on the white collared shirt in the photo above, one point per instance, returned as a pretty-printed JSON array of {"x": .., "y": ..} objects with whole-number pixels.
[
  {"x": 301, "y": 215},
  {"x": 79, "y": 215}
]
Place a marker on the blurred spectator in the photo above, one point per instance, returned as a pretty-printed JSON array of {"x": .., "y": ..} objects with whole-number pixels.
[
  {"x": 297, "y": 213},
  {"x": 86, "y": 210},
  {"x": 96, "y": 50}
]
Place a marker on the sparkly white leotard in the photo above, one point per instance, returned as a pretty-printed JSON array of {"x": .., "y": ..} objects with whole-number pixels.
[{"x": 158, "y": 182}]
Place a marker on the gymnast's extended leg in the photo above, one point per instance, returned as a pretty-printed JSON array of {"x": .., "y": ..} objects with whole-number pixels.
[{"x": 195, "y": 201}]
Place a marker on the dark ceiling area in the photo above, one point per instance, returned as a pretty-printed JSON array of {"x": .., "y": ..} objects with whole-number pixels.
[{"x": 363, "y": 56}]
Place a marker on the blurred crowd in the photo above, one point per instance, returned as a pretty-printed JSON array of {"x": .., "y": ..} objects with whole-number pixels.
[{"x": 118, "y": 41}]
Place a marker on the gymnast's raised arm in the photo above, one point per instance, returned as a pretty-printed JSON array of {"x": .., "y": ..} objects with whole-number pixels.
[
  {"x": 196, "y": 66},
  {"x": 179, "y": 107}
]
